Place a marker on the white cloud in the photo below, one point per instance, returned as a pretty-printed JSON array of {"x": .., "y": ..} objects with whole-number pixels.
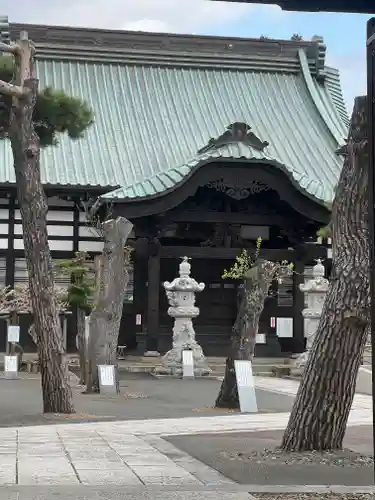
[
  {"x": 173, "y": 16},
  {"x": 178, "y": 16},
  {"x": 150, "y": 25}
]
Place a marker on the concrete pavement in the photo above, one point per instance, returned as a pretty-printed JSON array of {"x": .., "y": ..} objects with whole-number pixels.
[
  {"x": 129, "y": 453},
  {"x": 364, "y": 380},
  {"x": 81, "y": 492},
  {"x": 133, "y": 454}
]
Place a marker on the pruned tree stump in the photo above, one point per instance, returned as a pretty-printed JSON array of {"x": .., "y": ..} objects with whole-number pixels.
[
  {"x": 32, "y": 366},
  {"x": 281, "y": 371}
]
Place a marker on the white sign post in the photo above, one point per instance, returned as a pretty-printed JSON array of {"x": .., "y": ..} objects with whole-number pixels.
[
  {"x": 10, "y": 367},
  {"x": 107, "y": 379},
  {"x": 187, "y": 364},
  {"x": 13, "y": 334},
  {"x": 11, "y": 360},
  {"x": 246, "y": 386}
]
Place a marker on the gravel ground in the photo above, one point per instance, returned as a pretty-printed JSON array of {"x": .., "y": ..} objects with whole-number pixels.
[
  {"x": 316, "y": 496},
  {"x": 344, "y": 458},
  {"x": 254, "y": 458}
]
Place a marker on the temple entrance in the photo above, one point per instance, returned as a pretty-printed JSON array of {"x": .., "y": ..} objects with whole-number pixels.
[{"x": 217, "y": 303}]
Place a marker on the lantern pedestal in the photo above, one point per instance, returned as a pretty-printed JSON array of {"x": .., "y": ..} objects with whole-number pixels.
[
  {"x": 316, "y": 290},
  {"x": 181, "y": 297}
]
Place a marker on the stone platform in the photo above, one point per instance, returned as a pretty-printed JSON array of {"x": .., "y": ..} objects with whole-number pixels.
[
  {"x": 141, "y": 364},
  {"x": 146, "y": 364}
]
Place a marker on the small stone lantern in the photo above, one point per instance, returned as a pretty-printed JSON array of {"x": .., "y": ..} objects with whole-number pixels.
[
  {"x": 316, "y": 290},
  {"x": 181, "y": 297}
]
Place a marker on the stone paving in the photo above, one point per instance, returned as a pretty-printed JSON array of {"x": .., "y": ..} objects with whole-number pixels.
[
  {"x": 290, "y": 388},
  {"x": 126, "y": 453},
  {"x": 105, "y": 455},
  {"x": 131, "y": 453}
]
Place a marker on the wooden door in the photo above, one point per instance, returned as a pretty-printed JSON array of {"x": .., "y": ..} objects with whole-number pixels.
[{"x": 217, "y": 304}]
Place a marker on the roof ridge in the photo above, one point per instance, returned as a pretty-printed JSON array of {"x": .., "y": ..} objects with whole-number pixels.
[{"x": 70, "y": 42}]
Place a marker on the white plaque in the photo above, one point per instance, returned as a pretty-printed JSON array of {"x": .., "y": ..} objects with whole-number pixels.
[
  {"x": 187, "y": 364},
  {"x": 261, "y": 338},
  {"x": 246, "y": 386},
  {"x": 13, "y": 333},
  {"x": 138, "y": 319},
  {"x": 284, "y": 327},
  {"x": 10, "y": 366},
  {"x": 106, "y": 375}
]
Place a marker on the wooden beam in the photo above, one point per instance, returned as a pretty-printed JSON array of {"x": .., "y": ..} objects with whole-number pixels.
[
  {"x": 277, "y": 254},
  {"x": 230, "y": 218},
  {"x": 170, "y": 252}
]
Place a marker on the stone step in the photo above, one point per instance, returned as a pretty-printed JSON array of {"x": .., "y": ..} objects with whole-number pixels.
[
  {"x": 212, "y": 361},
  {"x": 217, "y": 370}
]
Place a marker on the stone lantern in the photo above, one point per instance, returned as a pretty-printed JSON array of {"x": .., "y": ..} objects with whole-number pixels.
[
  {"x": 181, "y": 297},
  {"x": 315, "y": 290}
]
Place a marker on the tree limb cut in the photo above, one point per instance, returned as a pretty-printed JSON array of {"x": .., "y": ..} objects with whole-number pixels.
[{"x": 10, "y": 89}]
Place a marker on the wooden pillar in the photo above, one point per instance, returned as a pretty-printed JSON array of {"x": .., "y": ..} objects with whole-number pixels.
[
  {"x": 140, "y": 273},
  {"x": 153, "y": 304},
  {"x": 298, "y": 306},
  {"x": 272, "y": 347}
]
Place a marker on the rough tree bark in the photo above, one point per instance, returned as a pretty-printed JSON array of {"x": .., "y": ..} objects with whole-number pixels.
[
  {"x": 57, "y": 396},
  {"x": 251, "y": 298},
  {"x": 105, "y": 318},
  {"x": 321, "y": 409}
]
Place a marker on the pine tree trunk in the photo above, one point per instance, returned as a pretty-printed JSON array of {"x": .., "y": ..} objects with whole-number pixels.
[
  {"x": 57, "y": 396},
  {"x": 81, "y": 345},
  {"x": 321, "y": 409},
  {"x": 106, "y": 316},
  {"x": 251, "y": 304}
]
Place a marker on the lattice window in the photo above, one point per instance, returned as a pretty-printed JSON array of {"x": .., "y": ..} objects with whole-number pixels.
[{"x": 62, "y": 281}]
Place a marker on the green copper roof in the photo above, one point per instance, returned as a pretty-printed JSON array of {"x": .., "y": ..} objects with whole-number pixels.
[
  {"x": 187, "y": 108},
  {"x": 166, "y": 181},
  {"x": 152, "y": 117}
]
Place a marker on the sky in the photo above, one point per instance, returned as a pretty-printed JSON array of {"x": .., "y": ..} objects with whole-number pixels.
[{"x": 344, "y": 34}]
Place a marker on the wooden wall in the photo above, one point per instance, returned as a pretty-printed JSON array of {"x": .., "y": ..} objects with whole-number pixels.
[{"x": 68, "y": 232}]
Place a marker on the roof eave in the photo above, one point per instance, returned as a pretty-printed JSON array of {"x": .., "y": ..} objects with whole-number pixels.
[{"x": 283, "y": 168}]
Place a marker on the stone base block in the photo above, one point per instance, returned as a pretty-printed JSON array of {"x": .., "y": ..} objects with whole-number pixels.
[
  {"x": 172, "y": 361},
  {"x": 281, "y": 371},
  {"x": 178, "y": 372},
  {"x": 151, "y": 354},
  {"x": 296, "y": 372}
]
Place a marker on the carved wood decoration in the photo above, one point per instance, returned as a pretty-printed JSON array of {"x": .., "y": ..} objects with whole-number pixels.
[
  {"x": 237, "y": 191},
  {"x": 236, "y": 132},
  {"x": 232, "y": 173},
  {"x": 211, "y": 219}
]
